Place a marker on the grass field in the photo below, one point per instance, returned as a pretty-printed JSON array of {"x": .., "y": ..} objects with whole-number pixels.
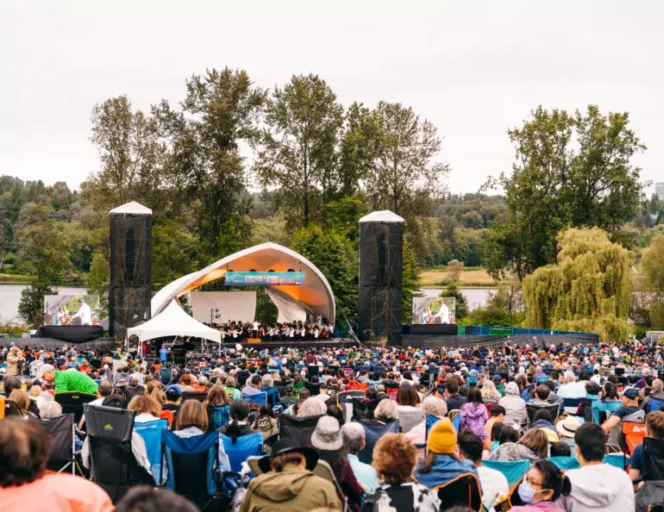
[
  {"x": 477, "y": 277},
  {"x": 14, "y": 279}
]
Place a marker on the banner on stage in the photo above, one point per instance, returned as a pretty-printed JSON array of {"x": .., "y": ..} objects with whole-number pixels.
[
  {"x": 264, "y": 278},
  {"x": 72, "y": 310},
  {"x": 434, "y": 310}
]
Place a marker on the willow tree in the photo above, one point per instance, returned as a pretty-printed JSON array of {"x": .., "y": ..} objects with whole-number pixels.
[{"x": 587, "y": 290}]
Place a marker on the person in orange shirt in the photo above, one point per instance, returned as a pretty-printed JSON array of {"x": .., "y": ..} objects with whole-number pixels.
[{"x": 25, "y": 484}]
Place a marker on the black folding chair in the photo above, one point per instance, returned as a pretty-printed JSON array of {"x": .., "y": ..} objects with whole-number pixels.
[
  {"x": 12, "y": 409},
  {"x": 373, "y": 431},
  {"x": 462, "y": 491},
  {"x": 63, "y": 444},
  {"x": 533, "y": 409},
  {"x": 298, "y": 428},
  {"x": 194, "y": 395},
  {"x": 363, "y": 410},
  {"x": 112, "y": 463},
  {"x": 72, "y": 403},
  {"x": 345, "y": 401}
]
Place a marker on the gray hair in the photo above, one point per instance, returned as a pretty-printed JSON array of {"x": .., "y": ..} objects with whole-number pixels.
[
  {"x": 434, "y": 405},
  {"x": 230, "y": 381},
  {"x": 657, "y": 385},
  {"x": 202, "y": 381},
  {"x": 311, "y": 407},
  {"x": 353, "y": 437},
  {"x": 50, "y": 410},
  {"x": 569, "y": 376},
  {"x": 267, "y": 380},
  {"x": 387, "y": 409}
]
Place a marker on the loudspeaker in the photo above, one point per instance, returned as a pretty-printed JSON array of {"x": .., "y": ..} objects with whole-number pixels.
[
  {"x": 131, "y": 268},
  {"x": 381, "y": 269}
]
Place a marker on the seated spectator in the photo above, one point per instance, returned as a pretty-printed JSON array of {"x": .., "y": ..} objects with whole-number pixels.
[
  {"x": 499, "y": 382},
  {"x": 266, "y": 422},
  {"x": 657, "y": 394},
  {"x": 267, "y": 385},
  {"x": 407, "y": 401},
  {"x": 630, "y": 405},
  {"x": 326, "y": 439},
  {"x": 231, "y": 390},
  {"x": 654, "y": 429},
  {"x": 312, "y": 406},
  {"x": 354, "y": 440},
  {"x": 453, "y": 399},
  {"x": 253, "y": 386},
  {"x": 216, "y": 397},
  {"x": 609, "y": 392},
  {"x": 144, "y": 498},
  {"x": 541, "y": 398},
  {"x": 334, "y": 411},
  {"x": 544, "y": 420},
  {"x": 515, "y": 406},
  {"x": 567, "y": 428},
  {"x": 571, "y": 388},
  {"x": 493, "y": 482},
  {"x": 433, "y": 406},
  {"x": 394, "y": 458},
  {"x": 26, "y": 486},
  {"x": 288, "y": 483},
  {"x": 561, "y": 449},
  {"x": 496, "y": 430},
  {"x": 592, "y": 395},
  {"x": 289, "y": 398},
  {"x": 51, "y": 410},
  {"x": 596, "y": 486},
  {"x": 11, "y": 383},
  {"x": 533, "y": 445},
  {"x": 554, "y": 399},
  {"x": 22, "y": 400},
  {"x": 497, "y": 415},
  {"x": 490, "y": 394},
  {"x": 145, "y": 408},
  {"x": 386, "y": 412},
  {"x": 68, "y": 381},
  {"x": 239, "y": 425},
  {"x": 441, "y": 464},
  {"x": 474, "y": 416},
  {"x": 541, "y": 487}
]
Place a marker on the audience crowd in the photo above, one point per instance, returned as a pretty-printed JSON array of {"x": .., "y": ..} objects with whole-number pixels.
[{"x": 559, "y": 427}]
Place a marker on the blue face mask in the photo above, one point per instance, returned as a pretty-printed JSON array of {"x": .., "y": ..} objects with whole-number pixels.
[{"x": 527, "y": 492}]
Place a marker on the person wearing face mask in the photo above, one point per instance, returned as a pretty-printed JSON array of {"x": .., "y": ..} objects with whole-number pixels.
[{"x": 541, "y": 487}]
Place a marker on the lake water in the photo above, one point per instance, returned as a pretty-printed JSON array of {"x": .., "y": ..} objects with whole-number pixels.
[
  {"x": 475, "y": 297},
  {"x": 10, "y": 295}
]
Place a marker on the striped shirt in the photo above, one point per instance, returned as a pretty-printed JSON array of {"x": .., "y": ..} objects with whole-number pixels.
[{"x": 68, "y": 381}]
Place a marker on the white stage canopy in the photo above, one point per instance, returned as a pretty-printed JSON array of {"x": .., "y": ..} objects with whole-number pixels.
[
  {"x": 173, "y": 321},
  {"x": 232, "y": 306},
  {"x": 314, "y": 297}
]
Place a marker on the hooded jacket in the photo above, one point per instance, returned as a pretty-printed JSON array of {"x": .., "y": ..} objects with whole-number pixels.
[
  {"x": 515, "y": 406},
  {"x": 409, "y": 417},
  {"x": 598, "y": 487},
  {"x": 511, "y": 452},
  {"x": 444, "y": 469},
  {"x": 292, "y": 489},
  {"x": 474, "y": 417}
]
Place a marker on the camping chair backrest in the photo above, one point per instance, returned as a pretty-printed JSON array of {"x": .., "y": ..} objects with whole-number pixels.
[
  {"x": 633, "y": 433},
  {"x": 220, "y": 416},
  {"x": 363, "y": 410},
  {"x": 653, "y": 459},
  {"x": 372, "y": 433},
  {"x": 151, "y": 433},
  {"x": 533, "y": 409},
  {"x": 109, "y": 434},
  {"x": 618, "y": 460},
  {"x": 464, "y": 491},
  {"x": 191, "y": 464},
  {"x": 10, "y": 408},
  {"x": 72, "y": 403},
  {"x": 244, "y": 447},
  {"x": 455, "y": 416},
  {"x": 255, "y": 400},
  {"x": 199, "y": 396},
  {"x": 165, "y": 375},
  {"x": 565, "y": 463},
  {"x": 271, "y": 395},
  {"x": 513, "y": 470},
  {"x": 654, "y": 405},
  {"x": 602, "y": 410},
  {"x": 345, "y": 402},
  {"x": 61, "y": 432},
  {"x": 168, "y": 416},
  {"x": 298, "y": 428},
  {"x": 571, "y": 405}
]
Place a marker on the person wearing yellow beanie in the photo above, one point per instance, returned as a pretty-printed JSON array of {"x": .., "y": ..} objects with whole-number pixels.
[{"x": 442, "y": 464}]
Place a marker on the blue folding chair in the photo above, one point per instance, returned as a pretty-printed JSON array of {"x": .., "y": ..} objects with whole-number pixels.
[
  {"x": 372, "y": 433},
  {"x": 272, "y": 395},
  {"x": 513, "y": 470},
  {"x": 654, "y": 405},
  {"x": 191, "y": 462},
  {"x": 565, "y": 463},
  {"x": 617, "y": 460},
  {"x": 220, "y": 416},
  {"x": 255, "y": 400},
  {"x": 607, "y": 408},
  {"x": 243, "y": 448},
  {"x": 151, "y": 434},
  {"x": 571, "y": 405}
]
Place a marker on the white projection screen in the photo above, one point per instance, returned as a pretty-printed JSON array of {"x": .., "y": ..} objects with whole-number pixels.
[{"x": 222, "y": 307}]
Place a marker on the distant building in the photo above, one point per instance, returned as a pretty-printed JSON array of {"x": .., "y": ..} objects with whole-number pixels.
[{"x": 659, "y": 190}]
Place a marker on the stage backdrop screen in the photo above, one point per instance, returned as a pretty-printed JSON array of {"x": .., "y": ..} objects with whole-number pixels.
[
  {"x": 264, "y": 278},
  {"x": 222, "y": 307},
  {"x": 66, "y": 310},
  {"x": 434, "y": 310}
]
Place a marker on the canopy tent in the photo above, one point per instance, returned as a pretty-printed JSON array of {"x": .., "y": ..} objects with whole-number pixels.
[
  {"x": 173, "y": 321},
  {"x": 314, "y": 297}
]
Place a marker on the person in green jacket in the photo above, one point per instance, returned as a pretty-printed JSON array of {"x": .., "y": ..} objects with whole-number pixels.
[{"x": 70, "y": 381}]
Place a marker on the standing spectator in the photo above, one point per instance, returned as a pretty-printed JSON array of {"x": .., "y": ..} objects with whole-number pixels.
[
  {"x": 474, "y": 416},
  {"x": 24, "y": 483},
  {"x": 596, "y": 486},
  {"x": 69, "y": 380},
  {"x": 13, "y": 359}
]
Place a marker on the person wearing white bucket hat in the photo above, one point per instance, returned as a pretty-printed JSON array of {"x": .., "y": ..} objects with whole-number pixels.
[
  {"x": 567, "y": 428},
  {"x": 327, "y": 441}
]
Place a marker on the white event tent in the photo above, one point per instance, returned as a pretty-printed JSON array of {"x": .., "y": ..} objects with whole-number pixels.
[{"x": 173, "y": 321}]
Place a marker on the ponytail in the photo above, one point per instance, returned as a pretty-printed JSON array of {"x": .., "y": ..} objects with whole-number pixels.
[{"x": 567, "y": 486}]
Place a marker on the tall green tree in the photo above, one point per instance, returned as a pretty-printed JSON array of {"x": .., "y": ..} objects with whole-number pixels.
[
  {"x": 571, "y": 170},
  {"x": 298, "y": 153},
  {"x": 588, "y": 289},
  {"x": 409, "y": 280},
  {"x": 652, "y": 267}
]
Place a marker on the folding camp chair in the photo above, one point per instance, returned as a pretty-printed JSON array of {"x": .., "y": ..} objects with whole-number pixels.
[
  {"x": 63, "y": 444},
  {"x": 464, "y": 491},
  {"x": 633, "y": 433},
  {"x": 345, "y": 402},
  {"x": 298, "y": 428},
  {"x": 603, "y": 410},
  {"x": 565, "y": 463},
  {"x": 194, "y": 395},
  {"x": 653, "y": 459},
  {"x": 220, "y": 416},
  {"x": 168, "y": 416},
  {"x": 373, "y": 431},
  {"x": 10, "y": 408},
  {"x": 244, "y": 447},
  {"x": 533, "y": 409},
  {"x": 151, "y": 433},
  {"x": 191, "y": 466},
  {"x": 112, "y": 464},
  {"x": 455, "y": 417},
  {"x": 512, "y": 470},
  {"x": 73, "y": 402},
  {"x": 165, "y": 376},
  {"x": 571, "y": 405},
  {"x": 256, "y": 400}
]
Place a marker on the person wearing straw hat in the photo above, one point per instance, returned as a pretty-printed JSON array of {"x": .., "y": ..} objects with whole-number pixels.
[
  {"x": 567, "y": 428},
  {"x": 288, "y": 483}
]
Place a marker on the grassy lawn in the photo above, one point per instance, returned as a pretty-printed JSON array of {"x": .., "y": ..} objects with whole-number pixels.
[
  {"x": 475, "y": 277},
  {"x": 14, "y": 279}
]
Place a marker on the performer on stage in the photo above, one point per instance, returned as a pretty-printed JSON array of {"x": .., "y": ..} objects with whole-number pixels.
[{"x": 84, "y": 313}]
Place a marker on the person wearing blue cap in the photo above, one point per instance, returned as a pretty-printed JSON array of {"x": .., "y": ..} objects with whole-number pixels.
[
  {"x": 498, "y": 381},
  {"x": 630, "y": 405}
]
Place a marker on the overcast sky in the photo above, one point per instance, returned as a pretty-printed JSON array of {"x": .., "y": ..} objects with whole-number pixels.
[{"x": 473, "y": 68}]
